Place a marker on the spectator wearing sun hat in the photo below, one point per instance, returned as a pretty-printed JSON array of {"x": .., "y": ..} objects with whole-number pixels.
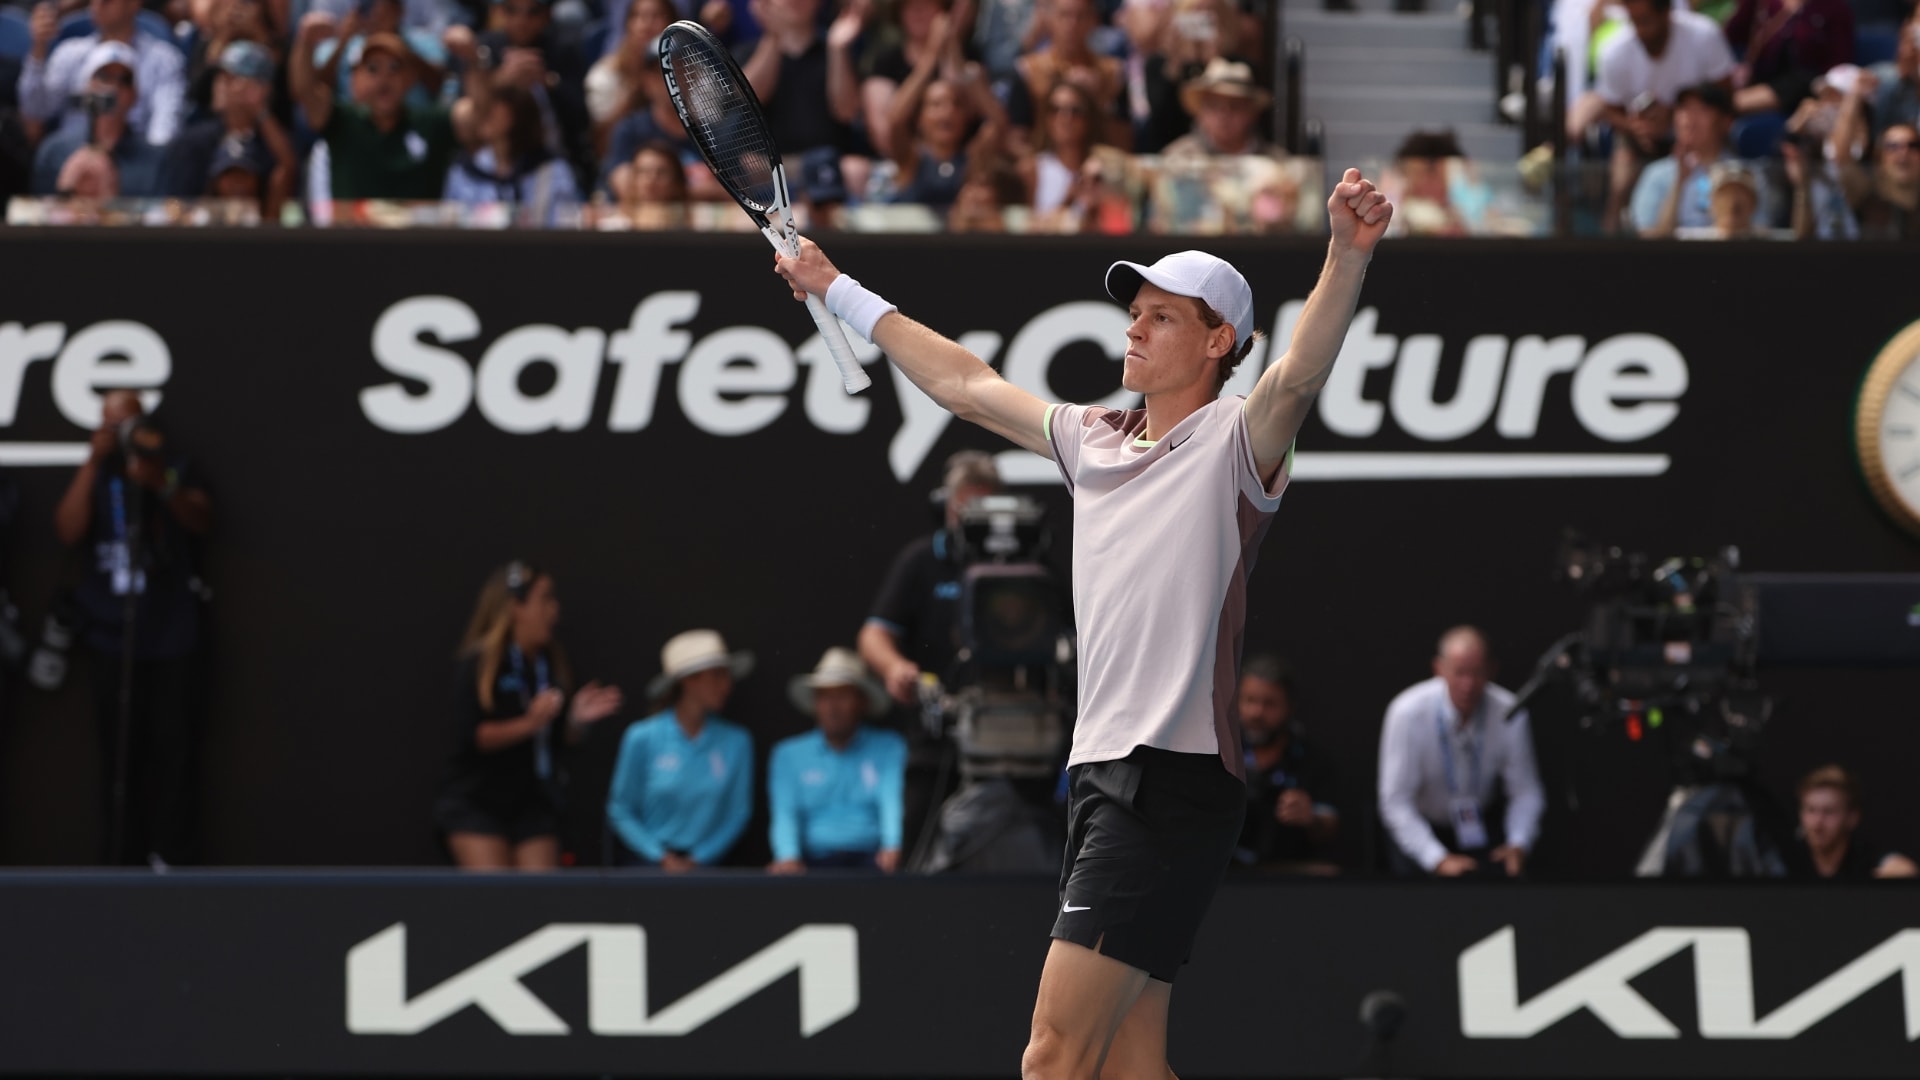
[
  {"x": 836, "y": 790},
  {"x": 1225, "y": 105},
  {"x": 683, "y": 784}
]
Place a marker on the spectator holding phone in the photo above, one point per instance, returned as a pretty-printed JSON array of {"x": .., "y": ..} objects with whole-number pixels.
[
  {"x": 54, "y": 76},
  {"x": 514, "y": 710},
  {"x": 242, "y": 130},
  {"x": 110, "y": 136}
]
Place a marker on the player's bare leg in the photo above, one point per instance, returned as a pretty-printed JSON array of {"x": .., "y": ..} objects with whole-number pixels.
[
  {"x": 1139, "y": 1050},
  {"x": 1083, "y": 998},
  {"x": 539, "y": 853}
]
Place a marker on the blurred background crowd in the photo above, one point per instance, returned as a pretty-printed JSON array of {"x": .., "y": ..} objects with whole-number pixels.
[{"x": 1792, "y": 118}]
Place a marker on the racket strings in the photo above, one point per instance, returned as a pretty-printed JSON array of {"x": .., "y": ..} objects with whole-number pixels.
[{"x": 724, "y": 119}]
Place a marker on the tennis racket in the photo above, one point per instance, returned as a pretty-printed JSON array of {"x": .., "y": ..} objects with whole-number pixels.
[{"x": 723, "y": 117}]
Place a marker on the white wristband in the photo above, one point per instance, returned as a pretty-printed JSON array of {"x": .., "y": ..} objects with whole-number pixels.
[{"x": 858, "y": 305}]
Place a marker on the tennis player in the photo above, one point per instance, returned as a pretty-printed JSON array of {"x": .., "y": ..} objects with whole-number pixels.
[{"x": 1170, "y": 503}]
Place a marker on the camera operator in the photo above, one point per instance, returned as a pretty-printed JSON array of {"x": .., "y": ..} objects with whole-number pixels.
[
  {"x": 136, "y": 509},
  {"x": 1447, "y": 741},
  {"x": 1825, "y": 849},
  {"x": 914, "y": 625},
  {"x": 515, "y": 708},
  {"x": 1289, "y": 824}
]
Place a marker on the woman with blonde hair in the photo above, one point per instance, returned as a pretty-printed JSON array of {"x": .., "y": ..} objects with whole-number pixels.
[{"x": 514, "y": 709}]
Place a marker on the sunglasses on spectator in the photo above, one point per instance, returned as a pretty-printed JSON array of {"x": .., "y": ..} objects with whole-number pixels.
[{"x": 1895, "y": 146}]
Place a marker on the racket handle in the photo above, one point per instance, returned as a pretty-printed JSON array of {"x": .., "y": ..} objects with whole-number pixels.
[{"x": 852, "y": 376}]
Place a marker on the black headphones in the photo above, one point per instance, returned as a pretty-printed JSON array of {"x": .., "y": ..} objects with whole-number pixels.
[{"x": 520, "y": 578}]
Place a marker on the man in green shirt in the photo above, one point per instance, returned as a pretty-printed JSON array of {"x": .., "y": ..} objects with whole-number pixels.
[{"x": 378, "y": 147}]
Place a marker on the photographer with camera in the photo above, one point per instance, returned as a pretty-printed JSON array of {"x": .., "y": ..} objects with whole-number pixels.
[
  {"x": 1446, "y": 744},
  {"x": 136, "y": 511},
  {"x": 109, "y": 136},
  {"x": 1289, "y": 822}
]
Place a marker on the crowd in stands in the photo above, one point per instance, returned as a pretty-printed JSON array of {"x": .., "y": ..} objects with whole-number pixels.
[
  {"x": 1040, "y": 115},
  {"x": 1731, "y": 120}
]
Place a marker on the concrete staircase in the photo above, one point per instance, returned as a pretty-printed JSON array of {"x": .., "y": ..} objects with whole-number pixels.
[{"x": 1374, "y": 75}]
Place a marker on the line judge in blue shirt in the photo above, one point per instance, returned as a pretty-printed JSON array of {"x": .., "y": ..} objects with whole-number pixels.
[
  {"x": 836, "y": 790},
  {"x": 683, "y": 784}
]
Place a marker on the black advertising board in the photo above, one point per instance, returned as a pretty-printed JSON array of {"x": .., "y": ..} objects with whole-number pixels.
[
  {"x": 383, "y": 417},
  {"x": 587, "y": 975}
]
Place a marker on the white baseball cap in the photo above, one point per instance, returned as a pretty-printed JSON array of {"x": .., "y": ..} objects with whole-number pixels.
[
  {"x": 1207, "y": 278},
  {"x": 107, "y": 54}
]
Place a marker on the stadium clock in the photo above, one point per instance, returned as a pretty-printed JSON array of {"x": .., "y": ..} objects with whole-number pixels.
[{"x": 1886, "y": 428}]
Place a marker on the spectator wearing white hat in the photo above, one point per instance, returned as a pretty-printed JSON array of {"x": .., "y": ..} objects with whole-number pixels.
[
  {"x": 111, "y": 95},
  {"x": 53, "y": 76},
  {"x": 836, "y": 791},
  {"x": 683, "y": 784}
]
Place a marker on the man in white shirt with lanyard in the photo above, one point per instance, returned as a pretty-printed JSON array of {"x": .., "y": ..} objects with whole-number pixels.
[
  {"x": 1170, "y": 503},
  {"x": 1445, "y": 742}
]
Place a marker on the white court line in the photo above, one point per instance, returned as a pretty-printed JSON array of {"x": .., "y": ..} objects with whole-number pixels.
[
  {"x": 27, "y": 454},
  {"x": 1021, "y": 467}
]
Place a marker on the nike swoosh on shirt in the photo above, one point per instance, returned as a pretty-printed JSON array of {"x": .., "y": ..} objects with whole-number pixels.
[
  {"x": 1070, "y": 907},
  {"x": 1175, "y": 446}
]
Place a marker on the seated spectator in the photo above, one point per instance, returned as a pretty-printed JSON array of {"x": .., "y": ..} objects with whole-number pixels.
[
  {"x": 111, "y": 96},
  {"x": 1639, "y": 82},
  {"x": 1785, "y": 45},
  {"x": 242, "y": 125},
  {"x": 835, "y": 792},
  {"x": 1427, "y": 164},
  {"x": 1701, "y": 121},
  {"x": 933, "y": 129},
  {"x": 650, "y": 191},
  {"x": 991, "y": 188},
  {"x": 1447, "y": 745},
  {"x": 1174, "y": 43},
  {"x": 218, "y": 24},
  {"x": 1068, "y": 55},
  {"x": 1895, "y": 84},
  {"x": 1289, "y": 822},
  {"x": 514, "y": 709},
  {"x": 1070, "y": 156},
  {"x": 429, "y": 18},
  {"x": 1824, "y": 849},
  {"x": 890, "y": 64},
  {"x": 51, "y": 81},
  {"x": 804, "y": 77},
  {"x": 529, "y": 52},
  {"x": 628, "y": 78},
  {"x": 378, "y": 147},
  {"x": 513, "y": 164},
  {"x": 1226, "y": 107},
  {"x": 683, "y": 784},
  {"x": 1839, "y": 198}
]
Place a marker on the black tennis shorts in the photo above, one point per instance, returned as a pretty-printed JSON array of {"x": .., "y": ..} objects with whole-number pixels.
[{"x": 1149, "y": 837}]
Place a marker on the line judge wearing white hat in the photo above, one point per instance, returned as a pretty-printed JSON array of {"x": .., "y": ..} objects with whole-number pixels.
[
  {"x": 1170, "y": 502},
  {"x": 683, "y": 784},
  {"x": 836, "y": 791}
]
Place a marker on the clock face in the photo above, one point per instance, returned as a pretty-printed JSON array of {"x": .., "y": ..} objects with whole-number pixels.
[{"x": 1888, "y": 428}]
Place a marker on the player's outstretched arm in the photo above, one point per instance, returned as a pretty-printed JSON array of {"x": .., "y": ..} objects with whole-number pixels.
[
  {"x": 1279, "y": 402},
  {"x": 959, "y": 381}
]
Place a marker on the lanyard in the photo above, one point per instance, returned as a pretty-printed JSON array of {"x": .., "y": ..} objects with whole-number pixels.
[
  {"x": 1446, "y": 757},
  {"x": 542, "y": 753}
]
